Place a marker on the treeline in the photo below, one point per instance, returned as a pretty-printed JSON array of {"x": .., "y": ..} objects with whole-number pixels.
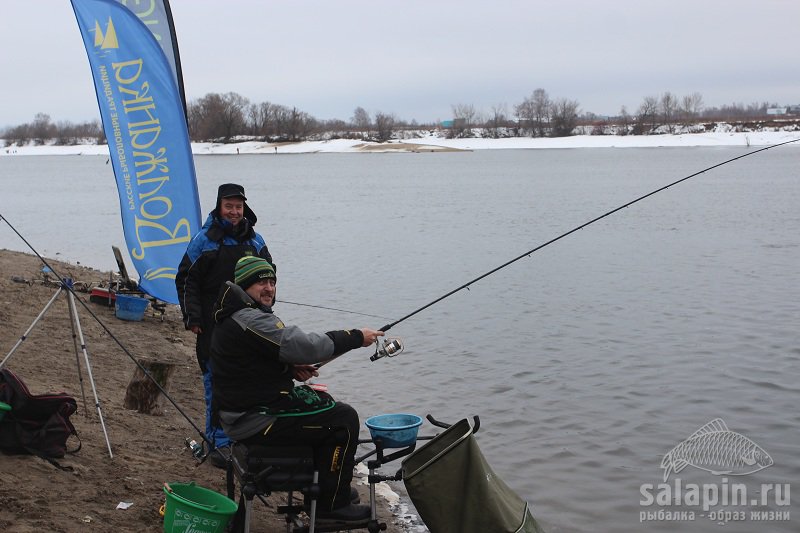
[
  {"x": 42, "y": 130},
  {"x": 231, "y": 117}
]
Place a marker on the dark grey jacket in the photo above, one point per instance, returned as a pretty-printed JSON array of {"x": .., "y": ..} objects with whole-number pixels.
[{"x": 252, "y": 352}]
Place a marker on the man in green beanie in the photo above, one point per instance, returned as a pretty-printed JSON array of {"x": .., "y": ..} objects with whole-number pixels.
[{"x": 255, "y": 360}]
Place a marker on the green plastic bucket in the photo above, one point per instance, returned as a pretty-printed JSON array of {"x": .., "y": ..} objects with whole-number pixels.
[
  {"x": 4, "y": 408},
  {"x": 190, "y": 508}
]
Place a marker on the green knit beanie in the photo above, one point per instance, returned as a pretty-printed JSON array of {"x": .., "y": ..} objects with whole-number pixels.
[{"x": 250, "y": 269}]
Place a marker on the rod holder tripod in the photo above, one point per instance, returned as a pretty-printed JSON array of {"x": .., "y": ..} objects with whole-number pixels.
[{"x": 77, "y": 336}]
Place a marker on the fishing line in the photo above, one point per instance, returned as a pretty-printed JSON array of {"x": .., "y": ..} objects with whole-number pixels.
[
  {"x": 67, "y": 287},
  {"x": 332, "y": 309},
  {"x": 387, "y": 327}
]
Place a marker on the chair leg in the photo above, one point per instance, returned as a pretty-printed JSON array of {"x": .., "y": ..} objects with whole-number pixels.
[
  {"x": 230, "y": 481},
  {"x": 248, "y": 507},
  {"x": 313, "y": 516}
]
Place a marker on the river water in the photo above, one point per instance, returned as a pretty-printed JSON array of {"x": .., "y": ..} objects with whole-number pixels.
[{"x": 587, "y": 362}]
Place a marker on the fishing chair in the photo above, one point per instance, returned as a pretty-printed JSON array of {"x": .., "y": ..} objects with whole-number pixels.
[{"x": 262, "y": 470}]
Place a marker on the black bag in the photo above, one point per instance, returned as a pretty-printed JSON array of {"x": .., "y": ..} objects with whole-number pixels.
[{"x": 36, "y": 424}]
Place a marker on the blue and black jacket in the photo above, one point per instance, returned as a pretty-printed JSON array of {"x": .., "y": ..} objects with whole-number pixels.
[{"x": 209, "y": 262}]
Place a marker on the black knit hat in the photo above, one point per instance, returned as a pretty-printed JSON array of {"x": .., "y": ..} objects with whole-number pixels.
[
  {"x": 230, "y": 190},
  {"x": 250, "y": 269}
]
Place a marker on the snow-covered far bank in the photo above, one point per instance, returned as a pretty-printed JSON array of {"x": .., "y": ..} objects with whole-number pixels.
[{"x": 433, "y": 143}]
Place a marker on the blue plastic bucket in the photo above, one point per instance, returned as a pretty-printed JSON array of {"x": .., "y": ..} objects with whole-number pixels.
[
  {"x": 191, "y": 508},
  {"x": 130, "y": 307},
  {"x": 394, "y": 430}
]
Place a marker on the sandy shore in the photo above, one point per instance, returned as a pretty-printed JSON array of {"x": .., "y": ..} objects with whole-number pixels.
[{"x": 148, "y": 450}]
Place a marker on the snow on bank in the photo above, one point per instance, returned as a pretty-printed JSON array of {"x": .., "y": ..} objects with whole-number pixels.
[{"x": 432, "y": 143}]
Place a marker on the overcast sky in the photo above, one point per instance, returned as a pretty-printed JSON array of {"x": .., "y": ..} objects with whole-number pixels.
[{"x": 417, "y": 58}]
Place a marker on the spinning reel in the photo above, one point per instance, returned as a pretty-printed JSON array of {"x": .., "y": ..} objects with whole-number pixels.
[
  {"x": 388, "y": 347},
  {"x": 195, "y": 448}
]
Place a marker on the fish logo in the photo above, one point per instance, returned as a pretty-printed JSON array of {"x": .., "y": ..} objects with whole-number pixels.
[{"x": 716, "y": 449}]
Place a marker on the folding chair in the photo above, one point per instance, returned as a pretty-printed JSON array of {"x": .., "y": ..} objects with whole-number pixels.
[{"x": 261, "y": 470}]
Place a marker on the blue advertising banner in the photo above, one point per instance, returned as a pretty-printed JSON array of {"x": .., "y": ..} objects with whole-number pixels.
[
  {"x": 142, "y": 114},
  {"x": 157, "y": 16}
]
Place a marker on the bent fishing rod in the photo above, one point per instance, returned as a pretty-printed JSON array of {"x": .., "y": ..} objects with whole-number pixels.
[{"x": 387, "y": 327}]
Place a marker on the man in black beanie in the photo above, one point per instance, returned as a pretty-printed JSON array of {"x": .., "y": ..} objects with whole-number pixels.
[
  {"x": 208, "y": 263},
  {"x": 256, "y": 358}
]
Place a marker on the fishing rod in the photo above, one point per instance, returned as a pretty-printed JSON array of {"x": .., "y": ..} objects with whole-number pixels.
[
  {"x": 332, "y": 309},
  {"x": 387, "y": 327}
]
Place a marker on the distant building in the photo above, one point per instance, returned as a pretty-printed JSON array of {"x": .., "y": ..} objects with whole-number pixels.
[
  {"x": 777, "y": 110},
  {"x": 458, "y": 123}
]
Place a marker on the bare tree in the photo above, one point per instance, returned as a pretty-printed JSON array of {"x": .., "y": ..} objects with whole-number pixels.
[
  {"x": 361, "y": 120},
  {"x": 334, "y": 128},
  {"x": 463, "y": 119},
  {"x": 646, "y": 121},
  {"x": 65, "y": 133},
  {"x": 541, "y": 111},
  {"x": 691, "y": 105},
  {"x": 497, "y": 120},
  {"x": 232, "y": 119},
  {"x": 259, "y": 117},
  {"x": 279, "y": 125},
  {"x": 563, "y": 117},
  {"x": 524, "y": 114},
  {"x": 298, "y": 124},
  {"x": 669, "y": 108},
  {"x": 534, "y": 113},
  {"x": 216, "y": 116},
  {"x": 384, "y": 126},
  {"x": 42, "y": 129},
  {"x": 203, "y": 115},
  {"x": 18, "y": 135},
  {"x": 91, "y": 129}
]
